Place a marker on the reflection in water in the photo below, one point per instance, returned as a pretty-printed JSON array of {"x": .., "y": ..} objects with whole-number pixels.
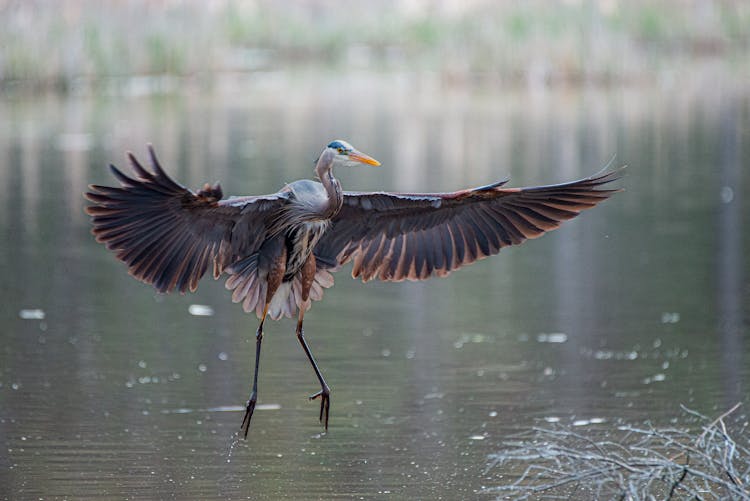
[
  {"x": 622, "y": 314},
  {"x": 730, "y": 280}
]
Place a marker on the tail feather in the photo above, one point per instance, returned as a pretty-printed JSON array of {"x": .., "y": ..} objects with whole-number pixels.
[
  {"x": 242, "y": 292},
  {"x": 249, "y": 288},
  {"x": 252, "y": 302},
  {"x": 281, "y": 302}
]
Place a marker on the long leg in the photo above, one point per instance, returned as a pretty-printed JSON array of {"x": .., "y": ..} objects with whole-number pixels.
[
  {"x": 325, "y": 392},
  {"x": 254, "y": 393},
  {"x": 275, "y": 267}
]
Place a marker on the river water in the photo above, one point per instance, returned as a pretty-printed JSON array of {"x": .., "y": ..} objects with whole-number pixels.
[{"x": 110, "y": 391}]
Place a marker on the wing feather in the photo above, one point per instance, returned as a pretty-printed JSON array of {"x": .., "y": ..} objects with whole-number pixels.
[
  {"x": 396, "y": 237},
  {"x": 167, "y": 235}
]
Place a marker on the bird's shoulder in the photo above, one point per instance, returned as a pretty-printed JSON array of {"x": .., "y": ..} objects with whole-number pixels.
[
  {"x": 255, "y": 202},
  {"x": 303, "y": 186},
  {"x": 306, "y": 191},
  {"x": 383, "y": 200}
]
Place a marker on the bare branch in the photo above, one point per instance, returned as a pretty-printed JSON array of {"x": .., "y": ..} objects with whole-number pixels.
[{"x": 642, "y": 463}]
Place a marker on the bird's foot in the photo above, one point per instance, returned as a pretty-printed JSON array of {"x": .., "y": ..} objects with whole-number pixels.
[
  {"x": 248, "y": 414},
  {"x": 325, "y": 403}
]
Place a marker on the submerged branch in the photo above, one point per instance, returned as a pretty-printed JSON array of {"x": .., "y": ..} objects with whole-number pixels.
[{"x": 643, "y": 463}]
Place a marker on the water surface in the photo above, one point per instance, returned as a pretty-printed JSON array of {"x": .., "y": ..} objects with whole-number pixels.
[{"x": 108, "y": 390}]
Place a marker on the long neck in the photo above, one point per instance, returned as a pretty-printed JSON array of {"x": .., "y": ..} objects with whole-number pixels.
[{"x": 324, "y": 170}]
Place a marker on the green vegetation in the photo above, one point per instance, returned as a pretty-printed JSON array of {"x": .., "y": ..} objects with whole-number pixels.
[{"x": 59, "y": 44}]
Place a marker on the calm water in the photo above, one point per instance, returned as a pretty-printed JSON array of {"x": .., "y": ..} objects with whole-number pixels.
[{"x": 623, "y": 314}]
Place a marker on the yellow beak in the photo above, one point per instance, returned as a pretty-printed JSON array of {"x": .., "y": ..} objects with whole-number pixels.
[{"x": 361, "y": 157}]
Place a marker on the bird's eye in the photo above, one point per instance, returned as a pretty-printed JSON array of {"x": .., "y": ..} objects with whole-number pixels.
[{"x": 341, "y": 150}]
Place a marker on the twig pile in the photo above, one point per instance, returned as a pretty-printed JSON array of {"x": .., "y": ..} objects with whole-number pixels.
[{"x": 642, "y": 464}]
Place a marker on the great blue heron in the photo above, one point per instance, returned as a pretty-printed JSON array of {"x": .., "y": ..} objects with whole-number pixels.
[{"x": 278, "y": 250}]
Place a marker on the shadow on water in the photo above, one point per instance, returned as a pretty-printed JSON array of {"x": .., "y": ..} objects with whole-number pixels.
[{"x": 108, "y": 390}]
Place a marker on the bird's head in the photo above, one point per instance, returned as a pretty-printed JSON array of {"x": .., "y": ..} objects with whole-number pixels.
[{"x": 339, "y": 153}]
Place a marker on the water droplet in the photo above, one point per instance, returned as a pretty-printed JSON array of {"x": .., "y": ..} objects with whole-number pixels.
[
  {"x": 223, "y": 356},
  {"x": 553, "y": 337},
  {"x": 727, "y": 194},
  {"x": 202, "y": 367},
  {"x": 200, "y": 310},
  {"x": 228, "y": 408},
  {"x": 181, "y": 410},
  {"x": 32, "y": 314},
  {"x": 670, "y": 317},
  {"x": 493, "y": 413},
  {"x": 142, "y": 364},
  {"x": 266, "y": 407},
  {"x": 386, "y": 352},
  {"x": 476, "y": 437}
]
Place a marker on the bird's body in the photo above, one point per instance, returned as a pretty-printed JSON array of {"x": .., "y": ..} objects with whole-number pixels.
[
  {"x": 279, "y": 250},
  {"x": 307, "y": 197}
]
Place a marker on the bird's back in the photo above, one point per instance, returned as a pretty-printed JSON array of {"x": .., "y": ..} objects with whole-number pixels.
[{"x": 309, "y": 195}]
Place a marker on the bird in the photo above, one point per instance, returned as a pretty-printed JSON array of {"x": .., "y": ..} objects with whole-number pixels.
[{"x": 278, "y": 251}]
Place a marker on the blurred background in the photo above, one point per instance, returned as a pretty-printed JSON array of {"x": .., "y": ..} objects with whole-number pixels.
[
  {"x": 78, "y": 46},
  {"x": 108, "y": 390}
]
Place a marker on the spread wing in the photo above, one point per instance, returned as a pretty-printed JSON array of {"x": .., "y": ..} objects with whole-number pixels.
[
  {"x": 168, "y": 235},
  {"x": 393, "y": 236}
]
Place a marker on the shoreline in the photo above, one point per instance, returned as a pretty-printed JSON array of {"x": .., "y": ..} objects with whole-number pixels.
[{"x": 70, "y": 46}]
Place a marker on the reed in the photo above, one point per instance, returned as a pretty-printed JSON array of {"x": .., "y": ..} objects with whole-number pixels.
[{"x": 58, "y": 44}]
